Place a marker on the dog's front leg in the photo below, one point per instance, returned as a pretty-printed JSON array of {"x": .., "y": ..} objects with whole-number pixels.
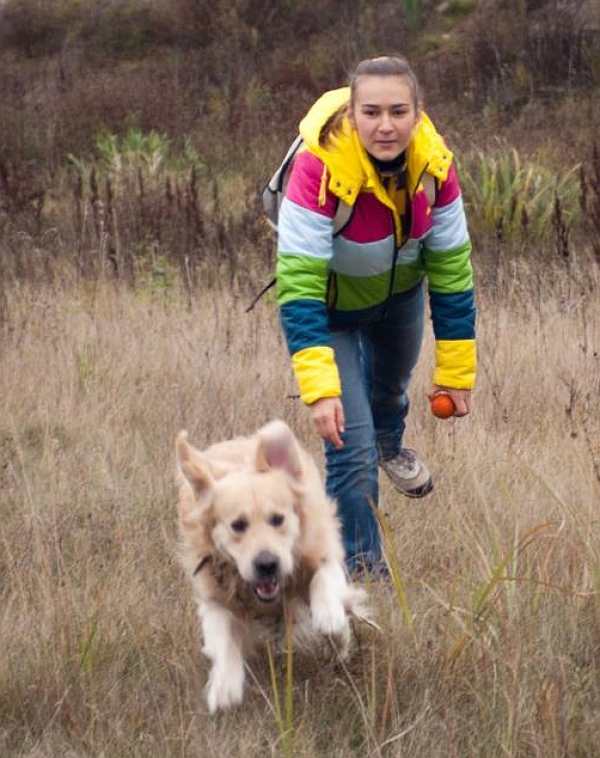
[
  {"x": 222, "y": 645},
  {"x": 328, "y": 590}
]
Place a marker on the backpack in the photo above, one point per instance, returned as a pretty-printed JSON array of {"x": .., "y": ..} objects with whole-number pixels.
[
  {"x": 273, "y": 193},
  {"x": 272, "y": 196}
]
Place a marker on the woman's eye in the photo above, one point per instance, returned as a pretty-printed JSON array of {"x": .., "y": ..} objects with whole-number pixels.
[
  {"x": 276, "y": 519},
  {"x": 239, "y": 525}
]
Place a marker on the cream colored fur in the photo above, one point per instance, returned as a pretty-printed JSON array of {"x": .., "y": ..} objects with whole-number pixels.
[{"x": 260, "y": 542}]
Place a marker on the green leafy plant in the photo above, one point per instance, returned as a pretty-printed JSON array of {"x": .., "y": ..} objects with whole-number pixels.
[
  {"x": 512, "y": 197},
  {"x": 137, "y": 151},
  {"x": 143, "y": 200}
]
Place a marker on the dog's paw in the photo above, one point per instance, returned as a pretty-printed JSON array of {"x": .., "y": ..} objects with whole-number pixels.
[
  {"x": 327, "y": 591},
  {"x": 357, "y": 606},
  {"x": 225, "y": 689},
  {"x": 330, "y": 618}
]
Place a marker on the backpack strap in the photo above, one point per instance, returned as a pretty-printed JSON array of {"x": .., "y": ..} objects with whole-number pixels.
[
  {"x": 263, "y": 291},
  {"x": 342, "y": 216},
  {"x": 273, "y": 193},
  {"x": 272, "y": 196},
  {"x": 430, "y": 187},
  {"x": 343, "y": 213}
]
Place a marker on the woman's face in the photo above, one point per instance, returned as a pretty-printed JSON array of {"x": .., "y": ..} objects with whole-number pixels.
[{"x": 384, "y": 115}]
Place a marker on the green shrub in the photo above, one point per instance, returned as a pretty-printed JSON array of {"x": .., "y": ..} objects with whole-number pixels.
[{"x": 512, "y": 197}]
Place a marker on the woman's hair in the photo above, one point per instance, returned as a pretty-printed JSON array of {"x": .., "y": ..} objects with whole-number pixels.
[{"x": 384, "y": 65}]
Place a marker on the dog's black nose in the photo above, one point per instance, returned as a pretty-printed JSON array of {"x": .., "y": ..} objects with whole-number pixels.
[{"x": 266, "y": 564}]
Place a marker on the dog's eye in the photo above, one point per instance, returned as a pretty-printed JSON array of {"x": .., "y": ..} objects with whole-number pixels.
[
  {"x": 276, "y": 519},
  {"x": 239, "y": 525}
]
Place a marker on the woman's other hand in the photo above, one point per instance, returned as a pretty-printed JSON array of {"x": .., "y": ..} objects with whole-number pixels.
[
  {"x": 460, "y": 398},
  {"x": 328, "y": 419}
]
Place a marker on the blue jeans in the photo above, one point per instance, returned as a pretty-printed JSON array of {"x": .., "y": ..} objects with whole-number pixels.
[{"x": 376, "y": 362}]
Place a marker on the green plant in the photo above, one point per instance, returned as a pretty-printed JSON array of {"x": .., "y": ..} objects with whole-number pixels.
[
  {"x": 412, "y": 12},
  {"x": 137, "y": 151},
  {"x": 86, "y": 643},
  {"x": 395, "y": 570},
  {"x": 461, "y": 7},
  {"x": 155, "y": 276},
  {"x": 283, "y": 708},
  {"x": 144, "y": 204},
  {"x": 512, "y": 197}
]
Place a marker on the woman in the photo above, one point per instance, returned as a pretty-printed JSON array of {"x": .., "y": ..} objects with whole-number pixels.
[{"x": 352, "y": 302}]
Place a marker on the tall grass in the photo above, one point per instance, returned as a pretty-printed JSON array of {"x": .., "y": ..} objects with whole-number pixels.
[
  {"x": 124, "y": 282},
  {"x": 490, "y": 649}
]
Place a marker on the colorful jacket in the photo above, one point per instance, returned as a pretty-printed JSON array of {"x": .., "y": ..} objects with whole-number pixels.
[{"x": 393, "y": 240}]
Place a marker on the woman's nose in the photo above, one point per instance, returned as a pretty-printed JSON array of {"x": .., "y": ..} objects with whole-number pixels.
[{"x": 385, "y": 122}]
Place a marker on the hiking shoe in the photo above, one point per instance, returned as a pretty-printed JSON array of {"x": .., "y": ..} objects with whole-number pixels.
[
  {"x": 367, "y": 573},
  {"x": 408, "y": 474}
]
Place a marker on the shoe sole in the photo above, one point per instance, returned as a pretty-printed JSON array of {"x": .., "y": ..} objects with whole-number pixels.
[
  {"x": 421, "y": 491},
  {"x": 367, "y": 576},
  {"x": 418, "y": 492}
]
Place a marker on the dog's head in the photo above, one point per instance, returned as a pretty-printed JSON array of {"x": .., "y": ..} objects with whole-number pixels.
[{"x": 249, "y": 516}]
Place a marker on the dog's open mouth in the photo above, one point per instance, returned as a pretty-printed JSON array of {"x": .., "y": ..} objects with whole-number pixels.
[{"x": 267, "y": 589}]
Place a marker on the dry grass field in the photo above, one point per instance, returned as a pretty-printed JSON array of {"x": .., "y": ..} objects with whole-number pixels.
[
  {"x": 134, "y": 138},
  {"x": 490, "y": 642}
]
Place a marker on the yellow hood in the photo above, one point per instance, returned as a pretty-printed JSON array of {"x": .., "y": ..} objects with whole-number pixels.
[{"x": 350, "y": 169}]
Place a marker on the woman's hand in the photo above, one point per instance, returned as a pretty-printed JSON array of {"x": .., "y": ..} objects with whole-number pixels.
[
  {"x": 328, "y": 419},
  {"x": 460, "y": 398}
]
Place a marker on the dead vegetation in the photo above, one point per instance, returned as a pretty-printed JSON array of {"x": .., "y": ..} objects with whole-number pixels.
[{"x": 134, "y": 138}]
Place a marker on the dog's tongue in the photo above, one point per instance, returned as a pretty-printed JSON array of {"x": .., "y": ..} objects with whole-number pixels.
[{"x": 266, "y": 589}]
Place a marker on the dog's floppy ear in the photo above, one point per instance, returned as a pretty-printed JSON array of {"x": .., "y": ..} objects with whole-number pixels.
[
  {"x": 277, "y": 448},
  {"x": 194, "y": 469}
]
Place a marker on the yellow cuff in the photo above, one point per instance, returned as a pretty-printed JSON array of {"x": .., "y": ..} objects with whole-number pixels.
[
  {"x": 455, "y": 364},
  {"x": 316, "y": 373}
]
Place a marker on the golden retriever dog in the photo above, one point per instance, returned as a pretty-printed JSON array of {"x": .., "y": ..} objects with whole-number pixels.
[{"x": 260, "y": 542}]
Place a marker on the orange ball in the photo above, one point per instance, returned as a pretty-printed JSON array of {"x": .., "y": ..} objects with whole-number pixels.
[{"x": 442, "y": 405}]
